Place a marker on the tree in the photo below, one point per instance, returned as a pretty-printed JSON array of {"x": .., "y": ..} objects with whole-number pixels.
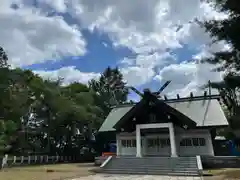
[
  {"x": 3, "y": 58},
  {"x": 227, "y": 30},
  {"x": 229, "y": 89},
  {"x": 110, "y": 89},
  {"x": 41, "y": 116}
]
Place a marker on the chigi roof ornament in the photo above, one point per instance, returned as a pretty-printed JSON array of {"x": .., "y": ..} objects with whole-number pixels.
[
  {"x": 205, "y": 93},
  {"x": 191, "y": 94},
  {"x": 178, "y": 97},
  {"x": 148, "y": 92}
]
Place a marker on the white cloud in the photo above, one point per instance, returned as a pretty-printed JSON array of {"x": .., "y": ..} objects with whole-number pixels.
[
  {"x": 151, "y": 29},
  {"x": 136, "y": 75},
  {"x": 58, "y": 5},
  {"x": 187, "y": 77},
  {"x": 31, "y": 37},
  {"x": 69, "y": 74},
  {"x": 155, "y": 29},
  {"x": 141, "y": 69}
]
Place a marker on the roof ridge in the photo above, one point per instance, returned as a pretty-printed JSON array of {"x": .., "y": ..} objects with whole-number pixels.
[{"x": 183, "y": 99}]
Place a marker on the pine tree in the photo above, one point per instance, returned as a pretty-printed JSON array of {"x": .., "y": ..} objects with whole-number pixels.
[
  {"x": 111, "y": 89},
  {"x": 227, "y": 30},
  {"x": 3, "y": 58}
]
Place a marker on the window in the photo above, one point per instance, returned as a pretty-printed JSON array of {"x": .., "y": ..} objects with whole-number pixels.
[
  {"x": 202, "y": 142},
  {"x": 156, "y": 142},
  {"x": 150, "y": 142},
  {"x": 124, "y": 143},
  {"x": 164, "y": 142},
  {"x": 186, "y": 142},
  {"x": 129, "y": 143},
  {"x": 193, "y": 142},
  {"x": 134, "y": 143},
  {"x": 168, "y": 142}
]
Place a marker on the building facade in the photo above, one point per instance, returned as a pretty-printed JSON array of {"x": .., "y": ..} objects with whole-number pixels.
[{"x": 170, "y": 127}]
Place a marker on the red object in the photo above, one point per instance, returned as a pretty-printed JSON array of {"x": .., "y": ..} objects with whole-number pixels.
[{"x": 108, "y": 154}]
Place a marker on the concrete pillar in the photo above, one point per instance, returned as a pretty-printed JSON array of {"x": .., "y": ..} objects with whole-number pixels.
[
  {"x": 209, "y": 144},
  {"x": 14, "y": 159},
  {"x": 35, "y": 159},
  {"x": 118, "y": 144},
  {"x": 22, "y": 159},
  {"x": 138, "y": 141},
  {"x": 144, "y": 146},
  {"x": 172, "y": 140},
  {"x": 29, "y": 159}
]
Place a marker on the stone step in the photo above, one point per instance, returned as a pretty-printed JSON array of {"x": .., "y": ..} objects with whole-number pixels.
[
  {"x": 154, "y": 164},
  {"x": 155, "y": 157},
  {"x": 154, "y": 160},
  {"x": 158, "y": 162},
  {"x": 159, "y": 172},
  {"x": 167, "y": 161},
  {"x": 160, "y": 165},
  {"x": 155, "y": 168},
  {"x": 151, "y": 170}
]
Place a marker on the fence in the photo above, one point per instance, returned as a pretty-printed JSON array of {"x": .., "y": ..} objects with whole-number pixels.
[{"x": 31, "y": 160}]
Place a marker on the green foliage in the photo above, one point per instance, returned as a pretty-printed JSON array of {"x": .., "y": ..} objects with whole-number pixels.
[
  {"x": 226, "y": 30},
  {"x": 110, "y": 89},
  {"x": 229, "y": 89},
  {"x": 3, "y": 58},
  {"x": 41, "y": 116}
]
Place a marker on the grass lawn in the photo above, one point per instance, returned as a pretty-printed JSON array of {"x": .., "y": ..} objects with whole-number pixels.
[
  {"x": 223, "y": 174},
  {"x": 47, "y": 172}
]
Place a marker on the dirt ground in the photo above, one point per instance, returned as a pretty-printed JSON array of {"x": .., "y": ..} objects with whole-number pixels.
[
  {"x": 47, "y": 172},
  {"x": 72, "y": 171},
  {"x": 223, "y": 174}
]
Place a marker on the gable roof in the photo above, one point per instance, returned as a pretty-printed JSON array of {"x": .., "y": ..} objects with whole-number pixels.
[
  {"x": 204, "y": 112},
  {"x": 161, "y": 109},
  {"x": 113, "y": 117}
]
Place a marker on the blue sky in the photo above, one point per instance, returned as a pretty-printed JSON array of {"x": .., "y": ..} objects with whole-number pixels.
[
  {"x": 77, "y": 40},
  {"x": 100, "y": 54}
]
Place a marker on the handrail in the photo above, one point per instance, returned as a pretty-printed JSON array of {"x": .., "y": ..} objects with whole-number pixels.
[
  {"x": 106, "y": 161},
  {"x": 199, "y": 164}
]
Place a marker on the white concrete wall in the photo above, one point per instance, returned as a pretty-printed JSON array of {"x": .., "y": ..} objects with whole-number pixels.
[
  {"x": 166, "y": 151},
  {"x": 125, "y": 151},
  {"x": 195, "y": 150}
]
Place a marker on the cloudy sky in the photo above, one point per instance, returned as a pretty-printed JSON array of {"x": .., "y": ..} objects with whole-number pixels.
[{"x": 150, "y": 41}]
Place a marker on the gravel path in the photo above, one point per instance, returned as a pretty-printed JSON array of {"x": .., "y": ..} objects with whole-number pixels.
[{"x": 134, "y": 177}]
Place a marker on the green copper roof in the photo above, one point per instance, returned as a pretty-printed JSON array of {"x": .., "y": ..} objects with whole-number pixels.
[
  {"x": 204, "y": 112},
  {"x": 114, "y": 116}
]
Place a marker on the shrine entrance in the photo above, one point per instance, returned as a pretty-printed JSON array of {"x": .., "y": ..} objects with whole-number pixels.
[{"x": 158, "y": 146}]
